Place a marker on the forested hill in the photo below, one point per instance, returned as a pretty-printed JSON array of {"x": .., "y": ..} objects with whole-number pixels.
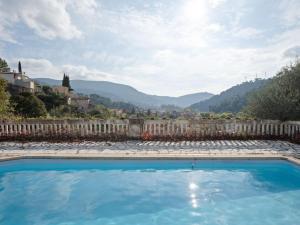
[
  {"x": 280, "y": 98},
  {"x": 231, "y": 100}
]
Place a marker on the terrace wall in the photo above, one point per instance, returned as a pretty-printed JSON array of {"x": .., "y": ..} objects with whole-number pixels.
[{"x": 148, "y": 129}]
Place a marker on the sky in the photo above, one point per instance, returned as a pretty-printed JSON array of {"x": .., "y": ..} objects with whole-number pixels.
[{"x": 162, "y": 47}]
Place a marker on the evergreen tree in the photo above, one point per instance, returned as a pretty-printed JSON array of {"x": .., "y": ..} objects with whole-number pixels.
[
  {"x": 19, "y": 67},
  {"x": 149, "y": 112},
  {"x": 66, "y": 82}
]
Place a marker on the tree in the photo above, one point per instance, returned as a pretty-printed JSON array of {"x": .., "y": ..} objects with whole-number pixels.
[
  {"x": 132, "y": 111},
  {"x": 107, "y": 102},
  {"x": 149, "y": 112},
  {"x": 19, "y": 67},
  {"x": 233, "y": 104},
  {"x": 4, "y": 99},
  {"x": 66, "y": 82},
  {"x": 47, "y": 89},
  {"x": 100, "y": 112},
  {"x": 52, "y": 100},
  {"x": 3, "y": 63},
  {"x": 28, "y": 105},
  {"x": 280, "y": 99}
]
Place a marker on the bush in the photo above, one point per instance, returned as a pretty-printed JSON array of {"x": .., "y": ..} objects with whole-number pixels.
[
  {"x": 28, "y": 105},
  {"x": 4, "y": 99}
]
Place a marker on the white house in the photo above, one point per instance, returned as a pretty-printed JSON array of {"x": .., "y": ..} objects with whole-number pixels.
[{"x": 20, "y": 81}]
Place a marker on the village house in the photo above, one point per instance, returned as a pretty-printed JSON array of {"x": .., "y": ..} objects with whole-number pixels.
[
  {"x": 82, "y": 102},
  {"x": 61, "y": 90},
  {"x": 18, "y": 81}
]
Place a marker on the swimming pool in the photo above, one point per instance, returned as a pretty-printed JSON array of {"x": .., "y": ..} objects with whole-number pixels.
[{"x": 90, "y": 192}]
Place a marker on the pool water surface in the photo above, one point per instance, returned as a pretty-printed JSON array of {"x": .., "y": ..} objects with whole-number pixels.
[{"x": 131, "y": 192}]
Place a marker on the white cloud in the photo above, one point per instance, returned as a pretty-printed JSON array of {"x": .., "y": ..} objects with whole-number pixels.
[
  {"x": 213, "y": 70},
  {"x": 106, "y": 58},
  {"x": 83, "y": 73},
  {"x": 145, "y": 69},
  {"x": 247, "y": 33},
  {"x": 47, "y": 18},
  {"x": 86, "y": 8},
  {"x": 187, "y": 26},
  {"x": 37, "y": 68}
]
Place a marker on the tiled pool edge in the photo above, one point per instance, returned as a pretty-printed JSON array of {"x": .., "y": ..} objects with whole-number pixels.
[{"x": 170, "y": 156}]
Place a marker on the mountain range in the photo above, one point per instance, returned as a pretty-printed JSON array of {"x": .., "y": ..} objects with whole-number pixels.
[{"x": 126, "y": 93}]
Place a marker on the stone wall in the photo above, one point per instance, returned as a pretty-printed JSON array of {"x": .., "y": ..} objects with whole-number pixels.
[{"x": 148, "y": 129}]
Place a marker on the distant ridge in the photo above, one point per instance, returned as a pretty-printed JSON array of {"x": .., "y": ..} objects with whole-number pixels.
[{"x": 126, "y": 93}]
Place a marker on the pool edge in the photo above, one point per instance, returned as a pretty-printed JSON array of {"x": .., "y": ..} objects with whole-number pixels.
[{"x": 152, "y": 157}]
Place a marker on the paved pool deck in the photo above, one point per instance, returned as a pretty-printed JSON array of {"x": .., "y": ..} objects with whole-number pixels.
[{"x": 254, "y": 149}]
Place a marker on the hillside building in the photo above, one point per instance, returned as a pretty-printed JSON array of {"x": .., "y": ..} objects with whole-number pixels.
[
  {"x": 82, "y": 102},
  {"x": 18, "y": 81},
  {"x": 61, "y": 90}
]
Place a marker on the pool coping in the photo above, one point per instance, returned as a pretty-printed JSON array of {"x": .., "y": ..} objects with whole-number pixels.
[{"x": 150, "y": 156}]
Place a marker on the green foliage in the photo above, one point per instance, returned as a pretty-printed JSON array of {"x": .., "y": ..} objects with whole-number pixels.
[
  {"x": 28, "y": 105},
  {"x": 66, "y": 82},
  {"x": 244, "y": 116},
  {"x": 3, "y": 63},
  {"x": 225, "y": 116},
  {"x": 67, "y": 111},
  {"x": 205, "y": 115},
  {"x": 148, "y": 112},
  {"x": 171, "y": 108},
  {"x": 51, "y": 99},
  {"x": 231, "y": 100},
  {"x": 99, "y": 100},
  {"x": 100, "y": 112},
  {"x": 233, "y": 105},
  {"x": 4, "y": 99},
  {"x": 47, "y": 89},
  {"x": 280, "y": 99}
]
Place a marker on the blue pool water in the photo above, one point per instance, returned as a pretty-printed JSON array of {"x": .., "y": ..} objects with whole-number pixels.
[{"x": 79, "y": 192}]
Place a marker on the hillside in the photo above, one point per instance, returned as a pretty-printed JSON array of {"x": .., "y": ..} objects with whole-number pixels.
[
  {"x": 107, "y": 102},
  {"x": 231, "y": 100},
  {"x": 125, "y": 93}
]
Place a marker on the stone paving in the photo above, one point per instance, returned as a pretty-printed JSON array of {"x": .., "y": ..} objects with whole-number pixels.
[{"x": 225, "y": 147}]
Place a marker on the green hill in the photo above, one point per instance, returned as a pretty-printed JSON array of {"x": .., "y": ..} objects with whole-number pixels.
[{"x": 231, "y": 100}]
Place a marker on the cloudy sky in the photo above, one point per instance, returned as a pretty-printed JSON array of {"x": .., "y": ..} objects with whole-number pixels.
[{"x": 160, "y": 47}]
